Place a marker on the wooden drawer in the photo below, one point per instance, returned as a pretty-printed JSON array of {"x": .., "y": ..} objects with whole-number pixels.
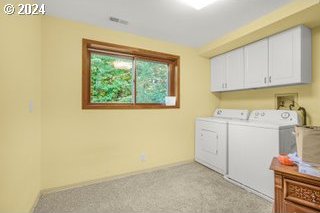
[
  {"x": 293, "y": 208},
  {"x": 302, "y": 193}
]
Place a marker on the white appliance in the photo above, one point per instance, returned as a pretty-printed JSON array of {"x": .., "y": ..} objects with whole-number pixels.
[
  {"x": 253, "y": 144},
  {"x": 211, "y": 138}
]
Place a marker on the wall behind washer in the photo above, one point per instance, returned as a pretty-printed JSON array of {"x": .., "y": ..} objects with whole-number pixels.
[{"x": 81, "y": 145}]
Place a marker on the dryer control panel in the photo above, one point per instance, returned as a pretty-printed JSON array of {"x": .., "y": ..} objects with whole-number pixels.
[
  {"x": 231, "y": 114},
  {"x": 275, "y": 116}
]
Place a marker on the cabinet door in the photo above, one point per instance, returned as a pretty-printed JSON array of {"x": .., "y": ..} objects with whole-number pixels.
[
  {"x": 235, "y": 69},
  {"x": 218, "y": 73},
  {"x": 256, "y": 64},
  {"x": 284, "y": 58}
]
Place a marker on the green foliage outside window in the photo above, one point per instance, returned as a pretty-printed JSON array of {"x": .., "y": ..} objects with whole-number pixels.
[
  {"x": 108, "y": 83},
  {"x": 152, "y": 82},
  {"x": 112, "y": 80}
]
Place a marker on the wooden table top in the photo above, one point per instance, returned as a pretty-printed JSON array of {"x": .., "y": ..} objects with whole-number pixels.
[{"x": 293, "y": 170}]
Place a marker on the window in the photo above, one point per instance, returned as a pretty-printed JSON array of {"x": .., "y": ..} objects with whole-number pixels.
[{"x": 120, "y": 77}]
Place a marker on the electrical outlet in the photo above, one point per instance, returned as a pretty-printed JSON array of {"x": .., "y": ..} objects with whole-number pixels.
[{"x": 143, "y": 157}]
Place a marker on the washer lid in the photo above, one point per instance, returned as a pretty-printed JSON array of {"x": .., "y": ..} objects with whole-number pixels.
[
  {"x": 263, "y": 124},
  {"x": 214, "y": 119}
]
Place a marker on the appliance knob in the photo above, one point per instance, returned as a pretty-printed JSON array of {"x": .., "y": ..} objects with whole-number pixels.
[{"x": 285, "y": 115}]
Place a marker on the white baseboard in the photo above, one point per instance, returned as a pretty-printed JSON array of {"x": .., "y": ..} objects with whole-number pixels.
[{"x": 100, "y": 180}]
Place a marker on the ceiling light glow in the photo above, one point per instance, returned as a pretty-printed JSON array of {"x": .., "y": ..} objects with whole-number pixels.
[{"x": 197, "y": 4}]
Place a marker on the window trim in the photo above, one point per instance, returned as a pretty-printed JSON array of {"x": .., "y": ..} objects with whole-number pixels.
[{"x": 89, "y": 46}]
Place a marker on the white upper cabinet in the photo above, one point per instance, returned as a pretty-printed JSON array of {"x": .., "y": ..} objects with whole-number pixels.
[
  {"x": 256, "y": 64},
  {"x": 218, "y": 73},
  {"x": 235, "y": 70},
  {"x": 227, "y": 71},
  {"x": 282, "y": 59},
  {"x": 290, "y": 57}
]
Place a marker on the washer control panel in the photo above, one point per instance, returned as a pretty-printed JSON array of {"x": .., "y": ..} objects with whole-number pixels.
[
  {"x": 285, "y": 115},
  {"x": 277, "y": 116}
]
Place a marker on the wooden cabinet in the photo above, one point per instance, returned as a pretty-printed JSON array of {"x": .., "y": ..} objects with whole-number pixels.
[
  {"x": 227, "y": 71},
  {"x": 294, "y": 192},
  {"x": 294, "y": 208},
  {"x": 290, "y": 57},
  {"x": 282, "y": 59},
  {"x": 256, "y": 64}
]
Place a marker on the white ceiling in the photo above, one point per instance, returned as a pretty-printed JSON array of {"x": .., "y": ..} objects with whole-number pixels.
[{"x": 168, "y": 20}]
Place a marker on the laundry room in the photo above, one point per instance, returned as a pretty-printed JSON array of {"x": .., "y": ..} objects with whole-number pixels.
[{"x": 160, "y": 106}]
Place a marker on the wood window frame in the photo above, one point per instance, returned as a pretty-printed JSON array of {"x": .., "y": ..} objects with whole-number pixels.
[{"x": 89, "y": 46}]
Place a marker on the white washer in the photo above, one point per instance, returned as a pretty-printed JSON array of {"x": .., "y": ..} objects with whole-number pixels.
[
  {"x": 253, "y": 144},
  {"x": 211, "y": 138}
]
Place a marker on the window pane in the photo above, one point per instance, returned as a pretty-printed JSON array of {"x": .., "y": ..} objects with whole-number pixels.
[
  {"x": 111, "y": 79},
  {"x": 151, "y": 81}
]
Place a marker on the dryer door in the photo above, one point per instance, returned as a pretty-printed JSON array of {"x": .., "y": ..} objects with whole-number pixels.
[
  {"x": 209, "y": 140},
  {"x": 211, "y": 145}
]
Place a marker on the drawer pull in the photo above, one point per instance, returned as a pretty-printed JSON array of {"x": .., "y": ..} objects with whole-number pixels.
[{"x": 313, "y": 196}]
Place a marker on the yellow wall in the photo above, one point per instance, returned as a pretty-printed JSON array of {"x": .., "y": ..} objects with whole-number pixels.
[
  {"x": 295, "y": 13},
  {"x": 81, "y": 145},
  {"x": 308, "y": 95},
  {"x": 20, "y": 130}
]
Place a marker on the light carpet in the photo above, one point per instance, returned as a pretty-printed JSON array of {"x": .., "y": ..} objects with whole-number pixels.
[{"x": 186, "y": 188}]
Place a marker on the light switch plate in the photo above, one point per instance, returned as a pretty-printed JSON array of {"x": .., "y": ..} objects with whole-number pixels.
[{"x": 31, "y": 106}]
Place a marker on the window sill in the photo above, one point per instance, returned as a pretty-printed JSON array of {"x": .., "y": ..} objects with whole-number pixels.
[{"x": 129, "y": 106}]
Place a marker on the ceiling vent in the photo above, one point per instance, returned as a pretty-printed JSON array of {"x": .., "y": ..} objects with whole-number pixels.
[{"x": 117, "y": 20}]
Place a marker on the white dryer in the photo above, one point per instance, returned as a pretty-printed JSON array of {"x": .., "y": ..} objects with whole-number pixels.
[
  {"x": 253, "y": 144},
  {"x": 211, "y": 138}
]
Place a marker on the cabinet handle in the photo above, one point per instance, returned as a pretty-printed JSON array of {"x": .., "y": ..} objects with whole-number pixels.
[
  {"x": 265, "y": 80},
  {"x": 222, "y": 85},
  {"x": 226, "y": 86},
  {"x": 269, "y": 79}
]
